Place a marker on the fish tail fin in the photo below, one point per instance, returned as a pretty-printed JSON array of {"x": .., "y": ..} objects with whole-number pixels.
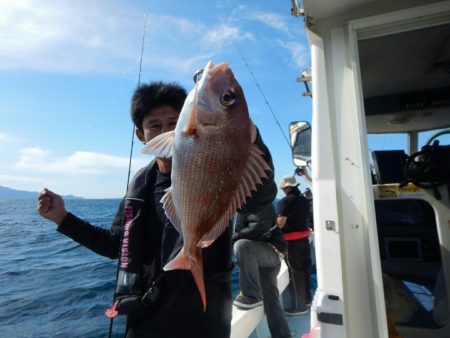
[
  {"x": 183, "y": 262},
  {"x": 180, "y": 262},
  {"x": 197, "y": 273}
]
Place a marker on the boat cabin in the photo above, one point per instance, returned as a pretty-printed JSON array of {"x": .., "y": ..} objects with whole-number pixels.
[{"x": 382, "y": 216}]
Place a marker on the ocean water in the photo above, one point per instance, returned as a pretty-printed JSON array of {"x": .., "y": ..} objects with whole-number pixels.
[{"x": 49, "y": 285}]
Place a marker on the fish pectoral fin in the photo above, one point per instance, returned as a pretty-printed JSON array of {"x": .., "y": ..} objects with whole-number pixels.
[
  {"x": 160, "y": 146},
  {"x": 255, "y": 170},
  {"x": 169, "y": 209}
]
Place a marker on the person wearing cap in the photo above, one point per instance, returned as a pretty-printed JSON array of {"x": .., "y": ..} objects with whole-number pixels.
[
  {"x": 292, "y": 218},
  {"x": 308, "y": 193}
]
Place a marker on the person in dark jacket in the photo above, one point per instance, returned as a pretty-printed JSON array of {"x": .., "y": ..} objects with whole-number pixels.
[
  {"x": 259, "y": 248},
  {"x": 308, "y": 195},
  {"x": 157, "y": 303},
  {"x": 293, "y": 216}
]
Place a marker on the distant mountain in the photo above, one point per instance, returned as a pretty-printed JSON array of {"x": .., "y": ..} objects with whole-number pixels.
[{"x": 9, "y": 193}]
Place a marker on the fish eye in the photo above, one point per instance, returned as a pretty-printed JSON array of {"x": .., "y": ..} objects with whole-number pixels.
[{"x": 228, "y": 99}]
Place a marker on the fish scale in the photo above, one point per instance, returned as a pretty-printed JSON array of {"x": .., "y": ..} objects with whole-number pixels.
[{"x": 194, "y": 196}]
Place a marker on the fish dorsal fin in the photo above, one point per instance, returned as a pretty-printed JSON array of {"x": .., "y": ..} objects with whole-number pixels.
[
  {"x": 170, "y": 211},
  {"x": 160, "y": 146},
  {"x": 254, "y": 171}
]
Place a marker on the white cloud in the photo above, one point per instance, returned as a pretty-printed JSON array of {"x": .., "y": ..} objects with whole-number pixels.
[
  {"x": 3, "y": 138},
  {"x": 105, "y": 36},
  {"x": 62, "y": 35},
  {"x": 224, "y": 34},
  {"x": 188, "y": 64},
  {"x": 19, "y": 182},
  {"x": 82, "y": 173},
  {"x": 6, "y": 140},
  {"x": 80, "y": 163},
  {"x": 220, "y": 34},
  {"x": 99, "y": 36},
  {"x": 174, "y": 24},
  {"x": 299, "y": 52},
  {"x": 272, "y": 20},
  {"x": 34, "y": 153}
]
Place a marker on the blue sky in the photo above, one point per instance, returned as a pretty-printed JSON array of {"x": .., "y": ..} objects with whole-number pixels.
[{"x": 68, "y": 70}]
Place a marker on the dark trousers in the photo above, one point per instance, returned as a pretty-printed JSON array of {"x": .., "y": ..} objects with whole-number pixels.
[
  {"x": 272, "y": 307},
  {"x": 299, "y": 261},
  {"x": 179, "y": 312},
  {"x": 259, "y": 266}
]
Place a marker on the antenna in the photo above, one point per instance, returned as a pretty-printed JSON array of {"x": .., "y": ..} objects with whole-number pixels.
[{"x": 262, "y": 93}]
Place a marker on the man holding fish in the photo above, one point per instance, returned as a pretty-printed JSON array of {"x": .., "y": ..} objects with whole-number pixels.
[{"x": 177, "y": 210}]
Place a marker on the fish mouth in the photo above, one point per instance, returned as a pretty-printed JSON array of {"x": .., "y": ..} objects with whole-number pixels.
[{"x": 212, "y": 69}]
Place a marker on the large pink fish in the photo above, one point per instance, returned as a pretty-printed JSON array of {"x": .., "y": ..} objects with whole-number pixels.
[{"x": 214, "y": 165}]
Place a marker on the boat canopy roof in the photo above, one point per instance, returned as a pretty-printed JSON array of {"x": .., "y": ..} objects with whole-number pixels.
[
  {"x": 321, "y": 9},
  {"x": 406, "y": 80},
  {"x": 405, "y": 76}
]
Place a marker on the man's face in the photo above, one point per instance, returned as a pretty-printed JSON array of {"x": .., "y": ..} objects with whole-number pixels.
[{"x": 158, "y": 121}]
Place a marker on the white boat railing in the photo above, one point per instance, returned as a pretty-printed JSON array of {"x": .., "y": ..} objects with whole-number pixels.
[{"x": 244, "y": 322}]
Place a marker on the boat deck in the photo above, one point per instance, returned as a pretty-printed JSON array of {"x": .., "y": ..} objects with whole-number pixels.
[{"x": 253, "y": 324}]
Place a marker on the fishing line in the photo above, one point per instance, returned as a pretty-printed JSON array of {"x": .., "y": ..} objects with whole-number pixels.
[
  {"x": 129, "y": 169},
  {"x": 262, "y": 93}
]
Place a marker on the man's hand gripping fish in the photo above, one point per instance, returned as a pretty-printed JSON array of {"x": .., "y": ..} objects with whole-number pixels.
[{"x": 214, "y": 165}]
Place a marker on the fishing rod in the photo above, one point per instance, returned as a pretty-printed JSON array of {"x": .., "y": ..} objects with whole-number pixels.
[
  {"x": 138, "y": 84},
  {"x": 261, "y": 91},
  {"x": 129, "y": 167}
]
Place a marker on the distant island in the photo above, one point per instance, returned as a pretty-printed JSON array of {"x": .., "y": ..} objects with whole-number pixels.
[{"x": 9, "y": 193}]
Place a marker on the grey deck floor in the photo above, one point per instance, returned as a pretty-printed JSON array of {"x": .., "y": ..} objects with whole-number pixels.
[{"x": 299, "y": 325}]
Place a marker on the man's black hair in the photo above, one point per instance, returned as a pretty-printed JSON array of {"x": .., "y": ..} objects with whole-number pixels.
[{"x": 154, "y": 95}]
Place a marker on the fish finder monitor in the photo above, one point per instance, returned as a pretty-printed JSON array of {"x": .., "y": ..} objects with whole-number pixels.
[{"x": 389, "y": 165}]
